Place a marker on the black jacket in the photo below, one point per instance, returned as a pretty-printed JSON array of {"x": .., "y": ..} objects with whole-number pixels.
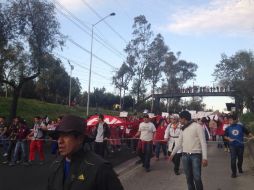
[
  {"x": 106, "y": 130},
  {"x": 88, "y": 172}
]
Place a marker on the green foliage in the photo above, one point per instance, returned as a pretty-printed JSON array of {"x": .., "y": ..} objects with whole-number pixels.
[
  {"x": 29, "y": 32},
  {"x": 248, "y": 120},
  {"x": 28, "y": 108},
  {"x": 237, "y": 71},
  {"x": 137, "y": 53},
  {"x": 177, "y": 72}
]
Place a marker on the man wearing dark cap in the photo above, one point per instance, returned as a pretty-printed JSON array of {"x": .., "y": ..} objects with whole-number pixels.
[
  {"x": 235, "y": 134},
  {"x": 193, "y": 143},
  {"x": 76, "y": 168}
]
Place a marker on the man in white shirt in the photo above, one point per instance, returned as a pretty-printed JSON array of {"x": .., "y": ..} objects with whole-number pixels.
[
  {"x": 192, "y": 141},
  {"x": 101, "y": 134},
  {"x": 146, "y": 132}
]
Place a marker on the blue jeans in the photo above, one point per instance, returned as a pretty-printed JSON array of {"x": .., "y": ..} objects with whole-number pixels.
[
  {"x": 5, "y": 143},
  {"x": 192, "y": 170},
  {"x": 146, "y": 155},
  {"x": 19, "y": 145},
  {"x": 236, "y": 154},
  {"x": 158, "y": 147}
]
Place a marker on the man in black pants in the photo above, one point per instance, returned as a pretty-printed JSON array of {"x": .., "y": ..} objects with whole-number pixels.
[
  {"x": 235, "y": 134},
  {"x": 101, "y": 134}
]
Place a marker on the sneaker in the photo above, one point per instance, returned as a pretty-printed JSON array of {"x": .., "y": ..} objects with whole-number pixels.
[
  {"x": 11, "y": 164},
  {"x": 5, "y": 154},
  {"x": 5, "y": 162},
  {"x": 233, "y": 175},
  {"x": 26, "y": 164},
  {"x": 177, "y": 172}
]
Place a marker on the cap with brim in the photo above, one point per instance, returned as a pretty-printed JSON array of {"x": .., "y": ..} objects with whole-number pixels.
[{"x": 70, "y": 124}]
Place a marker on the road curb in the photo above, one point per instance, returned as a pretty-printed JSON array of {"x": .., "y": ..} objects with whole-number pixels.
[{"x": 126, "y": 166}]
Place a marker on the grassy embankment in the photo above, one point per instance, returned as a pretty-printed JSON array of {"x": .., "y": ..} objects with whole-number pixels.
[{"x": 28, "y": 108}]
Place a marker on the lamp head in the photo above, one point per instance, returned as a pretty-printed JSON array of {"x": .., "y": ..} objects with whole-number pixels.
[{"x": 112, "y": 14}]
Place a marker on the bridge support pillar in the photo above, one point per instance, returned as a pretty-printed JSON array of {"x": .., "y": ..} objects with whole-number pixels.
[{"x": 157, "y": 105}]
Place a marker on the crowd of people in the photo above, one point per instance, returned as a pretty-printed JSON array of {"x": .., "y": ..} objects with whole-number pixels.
[
  {"x": 202, "y": 89},
  {"x": 179, "y": 136}
]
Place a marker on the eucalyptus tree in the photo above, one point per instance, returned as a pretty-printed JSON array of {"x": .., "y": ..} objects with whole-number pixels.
[
  {"x": 122, "y": 79},
  {"x": 177, "y": 72},
  {"x": 31, "y": 32},
  {"x": 156, "y": 60},
  {"x": 137, "y": 52}
]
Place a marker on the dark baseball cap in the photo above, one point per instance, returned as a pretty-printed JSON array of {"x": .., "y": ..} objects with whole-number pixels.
[
  {"x": 233, "y": 116},
  {"x": 185, "y": 114},
  {"x": 70, "y": 124}
]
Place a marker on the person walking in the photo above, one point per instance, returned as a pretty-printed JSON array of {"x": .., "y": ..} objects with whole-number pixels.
[
  {"x": 37, "y": 140},
  {"x": 77, "y": 168},
  {"x": 3, "y": 135},
  {"x": 145, "y": 145},
  {"x": 11, "y": 135},
  {"x": 101, "y": 133},
  {"x": 172, "y": 135},
  {"x": 235, "y": 134},
  {"x": 22, "y": 132},
  {"x": 159, "y": 139},
  {"x": 192, "y": 141}
]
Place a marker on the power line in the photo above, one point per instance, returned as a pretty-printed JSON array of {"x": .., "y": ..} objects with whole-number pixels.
[
  {"x": 84, "y": 49},
  {"x": 98, "y": 15},
  {"x": 100, "y": 40},
  {"x": 124, "y": 10},
  {"x": 74, "y": 62}
]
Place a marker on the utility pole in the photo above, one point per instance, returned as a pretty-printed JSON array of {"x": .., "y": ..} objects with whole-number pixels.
[{"x": 72, "y": 68}]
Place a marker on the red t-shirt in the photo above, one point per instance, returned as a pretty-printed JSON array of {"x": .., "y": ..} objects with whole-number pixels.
[
  {"x": 160, "y": 132},
  {"x": 220, "y": 130}
]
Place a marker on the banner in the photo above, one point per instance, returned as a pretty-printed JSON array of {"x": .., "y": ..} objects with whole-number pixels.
[
  {"x": 112, "y": 121},
  {"x": 123, "y": 114}
]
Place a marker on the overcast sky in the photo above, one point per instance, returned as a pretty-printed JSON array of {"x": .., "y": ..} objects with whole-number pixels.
[{"x": 201, "y": 29}]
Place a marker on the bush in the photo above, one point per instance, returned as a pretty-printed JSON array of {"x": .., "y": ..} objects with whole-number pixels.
[{"x": 248, "y": 120}]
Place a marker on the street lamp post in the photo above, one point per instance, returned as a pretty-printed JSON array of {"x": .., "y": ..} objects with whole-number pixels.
[
  {"x": 72, "y": 67},
  {"x": 91, "y": 61}
]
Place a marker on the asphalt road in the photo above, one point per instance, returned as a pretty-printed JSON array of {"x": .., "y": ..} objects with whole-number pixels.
[
  {"x": 35, "y": 177},
  {"x": 217, "y": 176}
]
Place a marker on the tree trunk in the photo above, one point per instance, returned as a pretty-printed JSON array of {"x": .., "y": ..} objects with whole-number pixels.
[
  {"x": 120, "y": 98},
  {"x": 167, "y": 105},
  {"x": 6, "y": 92},
  {"x": 14, "y": 104},
  {"x": 123, "y": 99},
  {"x": 152, "y": 106}
]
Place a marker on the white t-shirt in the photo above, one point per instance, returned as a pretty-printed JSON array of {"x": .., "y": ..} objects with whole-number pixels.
[
  {"x": 147, "y": 130},
  {"x": 99, "y": 136},
  {"x": 38, "y": 131}
]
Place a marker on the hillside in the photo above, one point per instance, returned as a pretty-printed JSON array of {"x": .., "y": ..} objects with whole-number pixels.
[{"x": 28, "y": 108}]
